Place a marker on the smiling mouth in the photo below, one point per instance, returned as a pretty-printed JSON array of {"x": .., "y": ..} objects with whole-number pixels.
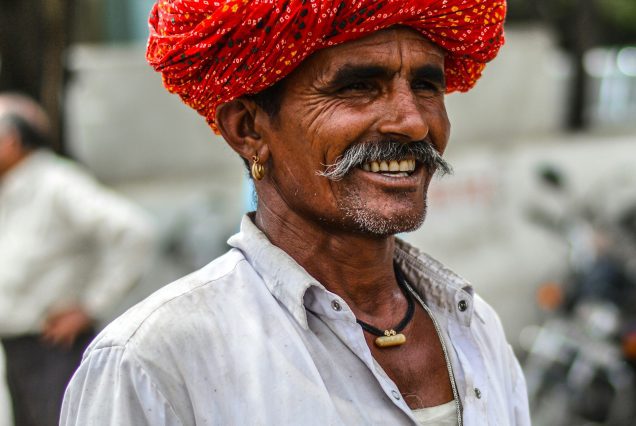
[{"x": 393, "y": 168}]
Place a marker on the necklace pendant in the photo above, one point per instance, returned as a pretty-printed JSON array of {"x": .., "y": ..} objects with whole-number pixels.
[{"x": 390, "y": 339}]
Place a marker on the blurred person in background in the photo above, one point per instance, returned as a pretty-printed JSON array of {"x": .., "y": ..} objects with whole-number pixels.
[
  {"x": 318, "y": 314},
  {"x": 69, "y": 250}
]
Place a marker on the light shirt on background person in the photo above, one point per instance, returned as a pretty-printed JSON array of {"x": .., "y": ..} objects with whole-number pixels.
[
  {"x": 284, "y": 347},
  {"x": 64, "y": 240}
]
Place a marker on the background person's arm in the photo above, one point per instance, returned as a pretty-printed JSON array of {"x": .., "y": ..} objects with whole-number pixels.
[{"x": 123, "y": 238}]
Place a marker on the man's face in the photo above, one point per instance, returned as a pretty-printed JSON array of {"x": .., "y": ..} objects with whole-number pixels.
[{"x": 385, "y": 87}]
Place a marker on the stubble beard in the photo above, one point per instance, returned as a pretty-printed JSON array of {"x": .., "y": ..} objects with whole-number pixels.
[{"x": 367, "y": 220}]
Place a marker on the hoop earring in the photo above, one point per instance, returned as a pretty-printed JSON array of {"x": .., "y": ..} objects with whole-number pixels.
[{"x": 258, "y": 171}]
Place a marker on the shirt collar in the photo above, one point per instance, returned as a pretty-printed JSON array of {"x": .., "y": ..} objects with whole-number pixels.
[
  {"x": 287, "y": 281},
  {"x": 442, "y": 289}
]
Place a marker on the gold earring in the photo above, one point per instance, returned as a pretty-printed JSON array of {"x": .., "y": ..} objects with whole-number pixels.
[{"x": 258, "y": 171}]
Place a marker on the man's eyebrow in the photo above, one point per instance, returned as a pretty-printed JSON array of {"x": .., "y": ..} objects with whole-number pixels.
[
  {"x": 348, "y": 73},
  {"x": 432, "y": 73}
]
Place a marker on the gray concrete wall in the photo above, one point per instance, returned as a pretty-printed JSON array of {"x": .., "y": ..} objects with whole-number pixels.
[{"x": 522, "y": 92}]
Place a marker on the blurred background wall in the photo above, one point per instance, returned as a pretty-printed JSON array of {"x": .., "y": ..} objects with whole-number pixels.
[{"x": 562, "y": 94}]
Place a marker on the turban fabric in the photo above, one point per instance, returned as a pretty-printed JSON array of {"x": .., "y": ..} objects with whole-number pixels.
[{"x": 210, "y": 52}]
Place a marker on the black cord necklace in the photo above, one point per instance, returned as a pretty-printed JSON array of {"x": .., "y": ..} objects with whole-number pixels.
[{"x": 393, "y": 336}]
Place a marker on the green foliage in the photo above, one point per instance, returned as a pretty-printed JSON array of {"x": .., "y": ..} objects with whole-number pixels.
[
  {"x": 522, "y": 10},
  {"x": 614, "y": 20},
  {"x": 619, "y": 16}
]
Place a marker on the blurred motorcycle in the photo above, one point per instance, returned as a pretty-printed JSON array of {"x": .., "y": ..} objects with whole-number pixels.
[{"x": 580, "y": 364}]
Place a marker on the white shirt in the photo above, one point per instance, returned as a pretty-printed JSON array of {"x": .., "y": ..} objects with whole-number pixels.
[
  {"x": 63, "y": 240},
  {"x": 253, "y": 339}
]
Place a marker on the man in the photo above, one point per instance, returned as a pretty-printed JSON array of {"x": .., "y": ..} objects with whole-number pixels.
[
  {"x": 70, "y": 249},
  {"x": 318, "y": 314}
]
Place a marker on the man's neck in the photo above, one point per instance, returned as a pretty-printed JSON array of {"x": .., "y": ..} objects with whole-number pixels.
[{"x": 357, "y": 267}]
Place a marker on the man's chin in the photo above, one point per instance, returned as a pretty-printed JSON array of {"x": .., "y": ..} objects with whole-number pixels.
[
  {"x": 371, "y": 216},
  {"x": 373, "y": 224}
]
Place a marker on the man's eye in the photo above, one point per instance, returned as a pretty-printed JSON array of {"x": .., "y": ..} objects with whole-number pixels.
[
  {"x": 426, "y": 86},
  {"x": 358, "y": 86}
]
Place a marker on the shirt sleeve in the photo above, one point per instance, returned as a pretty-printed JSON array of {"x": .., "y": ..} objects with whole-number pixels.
[
  {"x": 111, "y": 388},
  {"x": 505, "y": 367},
  {"x": 121, "y": 233}
]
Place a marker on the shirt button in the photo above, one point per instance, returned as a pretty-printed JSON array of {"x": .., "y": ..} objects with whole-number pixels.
[
  {"x": 462, "y": 305},
  {"x": 396, "y": 394},
  {"x": 477, "y": 393},
  {"x": 336, "y": 306}
]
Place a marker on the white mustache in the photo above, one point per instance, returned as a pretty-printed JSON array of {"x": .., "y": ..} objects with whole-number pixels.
[{"x": 386, "y": 150}]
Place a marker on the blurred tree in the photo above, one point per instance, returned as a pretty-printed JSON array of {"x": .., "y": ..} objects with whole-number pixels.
[
  {"x": 618, "y": 21},
  {"x": 580, "y": 26},
  {"x": 33, "y": 37},
  {"x": 615, "y": 18}
]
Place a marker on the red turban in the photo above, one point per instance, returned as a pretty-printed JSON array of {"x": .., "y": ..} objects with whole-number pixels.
[{"x": 210, "y": 52}]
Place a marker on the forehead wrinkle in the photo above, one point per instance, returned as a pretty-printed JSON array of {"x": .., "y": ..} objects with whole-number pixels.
[
  {"x": 433, "y": 55},
  {"x": 402, "y": 36}
]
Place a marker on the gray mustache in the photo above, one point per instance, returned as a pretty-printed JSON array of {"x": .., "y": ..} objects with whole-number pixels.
[{"x": 387, "y": 150}]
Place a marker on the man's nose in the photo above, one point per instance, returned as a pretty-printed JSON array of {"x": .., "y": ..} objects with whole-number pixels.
[{"x": 403, "y": 118}]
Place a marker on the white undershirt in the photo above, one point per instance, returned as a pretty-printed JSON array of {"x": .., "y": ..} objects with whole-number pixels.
[{"x": 441, "y": 415}]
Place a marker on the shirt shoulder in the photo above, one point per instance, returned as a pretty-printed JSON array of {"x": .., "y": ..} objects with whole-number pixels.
[
  {"x": 150, "y": 361},
  {"x": 166, "y": 312},
  {"x": 58, "y": 171}
]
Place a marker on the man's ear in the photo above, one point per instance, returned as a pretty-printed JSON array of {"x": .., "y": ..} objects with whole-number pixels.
[{"x": 236, "y": 122}]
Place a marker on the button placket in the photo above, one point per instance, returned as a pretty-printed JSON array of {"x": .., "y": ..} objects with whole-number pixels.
[{"x": 336, "y": 306}]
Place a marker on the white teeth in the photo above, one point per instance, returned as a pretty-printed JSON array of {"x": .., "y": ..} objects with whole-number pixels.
[
  {"x": 405, "y": 166},
  {"x": 394, "y": 166},
  {"x": 366, "y": 167},
  {"x": 384, "y": 166},
  {"x": 375, "y": 167}
]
